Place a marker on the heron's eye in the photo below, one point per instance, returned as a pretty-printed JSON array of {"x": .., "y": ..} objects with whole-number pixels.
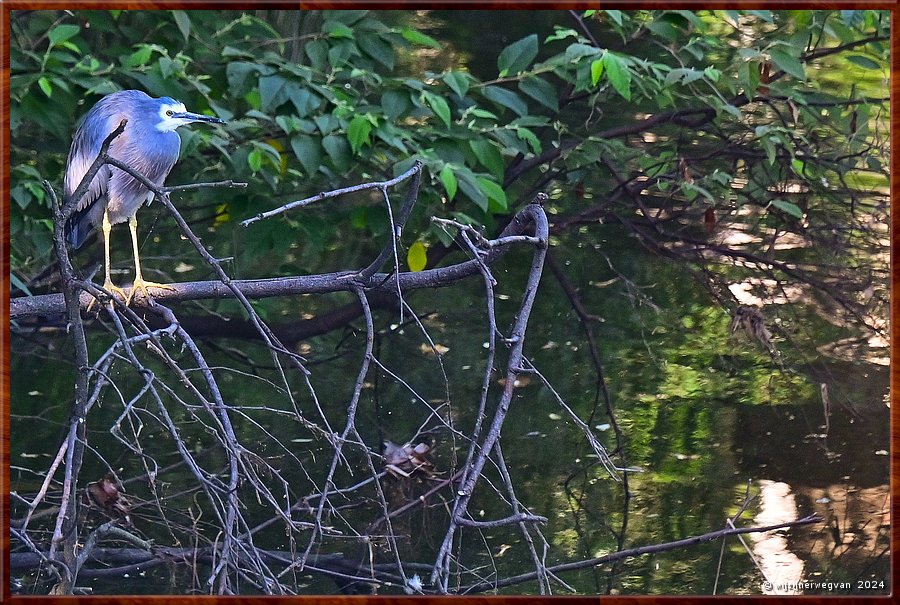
[{"x": 170, "y": 113}]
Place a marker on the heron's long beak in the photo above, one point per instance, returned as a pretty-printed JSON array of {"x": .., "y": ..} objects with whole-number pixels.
[{"x": 197, "y": 117}]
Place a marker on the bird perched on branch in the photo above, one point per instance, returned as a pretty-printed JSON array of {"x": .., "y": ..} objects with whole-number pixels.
[{"x": 149, "y": 145}]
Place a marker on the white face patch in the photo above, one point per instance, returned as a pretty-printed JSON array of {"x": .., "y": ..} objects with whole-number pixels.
[{"x": 167, "y": 123}]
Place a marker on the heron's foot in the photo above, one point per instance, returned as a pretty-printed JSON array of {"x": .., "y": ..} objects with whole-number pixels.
[
  {"x": 112, "y": 289},
  {"x": 140, "y": 284}
]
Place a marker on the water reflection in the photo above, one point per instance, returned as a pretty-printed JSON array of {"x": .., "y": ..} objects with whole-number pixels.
[{"x": 781, "y": 568}]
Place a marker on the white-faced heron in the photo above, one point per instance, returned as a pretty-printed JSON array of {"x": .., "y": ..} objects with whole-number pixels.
[{"x": 149, "y": 145}]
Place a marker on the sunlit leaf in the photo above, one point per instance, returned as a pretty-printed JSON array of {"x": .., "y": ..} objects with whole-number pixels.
[
  {"x": 417, "y": 257},
  {"x": 596, "y": 71},
  {"x": 358, "y": 132},
  {"x": 45, "y": 86},
  {"x": 449, "y": 180},
  {"x": 254, "y": 160},
  {"x": 494, "y": 192},
  {"x": 416, "y": 37},
  {"x": 618, "y": 74}
]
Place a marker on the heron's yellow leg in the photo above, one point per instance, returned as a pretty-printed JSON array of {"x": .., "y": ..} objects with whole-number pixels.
[
  {"x": 107, "y": 283},
  {"x": 139, "y": 283}
]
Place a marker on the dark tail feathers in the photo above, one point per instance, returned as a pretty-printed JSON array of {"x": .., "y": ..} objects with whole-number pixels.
[{"x": 79, "y": 227}]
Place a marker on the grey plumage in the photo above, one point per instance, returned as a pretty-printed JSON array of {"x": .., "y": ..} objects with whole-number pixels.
[{"x": 149, "y": 145}]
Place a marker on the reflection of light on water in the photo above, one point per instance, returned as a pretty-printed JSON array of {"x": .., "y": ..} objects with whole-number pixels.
[{"x": 782, "y": 569}]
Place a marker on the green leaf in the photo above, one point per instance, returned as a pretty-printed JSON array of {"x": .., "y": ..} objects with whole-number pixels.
[
  {"x": 374, "y": 46},
  {"x": 183, "y": 21},
  {"x": 70, "y": 46},
  {"x": 337, "y": 30},
  {"x": 488, "y": 156},
  {"x": 469, "y": 185},
  {"x": 457, "y": 81},
  {"x": 790, "y": 64},
  {"x": 526, "y": 135},
  {"x": 338, "y": 151},
  {"x": 17, "y": 282},
  {"x": 618, "y": 74},
  {"x": 287, "y": 123},
  {"x": 166, "y": 66},
  {"x": 541, "y": 91},
  {"x": 449, "y": 180},
  {"x": 482, "y": 113},
  {"x": 304, "y": 100},
  {"x": 530, "y": 121},
  {"x": 518, "y": 56},
  {"x": 438, "y": 106},
  {"x": 748, "y": 76},
  {"x": 358, "y": 132},
  {"x": 578, "y": 50},
  {"x": 788, "y": 207},
  {"x": 691, "y": 190},
  {"x": 61, "y": 33},
  {"x": 416, "y": 257},
  {"x": 347, "y": 17},
  {"x": 415, "y": 37},
  {"x": 254, "y": 160},
  {"x": 326, "y": 123},
  {"x": 139, "y": 57},
  {"x": 506, "y": 98},
  {"x": 395, "y": 103},
  {"x": 769, "y": 147},
  {"x": 665, "y": 29},
  {"x": 20, "y": 195},
  {"x": 561, "y": 33},
  {"x": 392, "y": 135},
  {"x": 317, "y": 52},
  {"x": 238, "y": 74},
  {"x": 272, "y": 92},
  {"x": 494, "y": 192},
  {"x": 45, "y": 85},
  {"x": 684, "y": 75},
  {"x": 852, "y": 18},
  {"x": 596, "y": 71},
  {"x": 734, "y": 111},
  {"x": 308, "y": 151},
  {"x": 864, "y": 62},
  {"x": 359, "y": 218}
]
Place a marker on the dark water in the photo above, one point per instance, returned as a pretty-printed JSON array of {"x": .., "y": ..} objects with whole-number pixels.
[{"x": 707, "y": 417}]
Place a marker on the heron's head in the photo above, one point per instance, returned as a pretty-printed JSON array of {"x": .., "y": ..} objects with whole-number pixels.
[{"x": 173, "y": 114}]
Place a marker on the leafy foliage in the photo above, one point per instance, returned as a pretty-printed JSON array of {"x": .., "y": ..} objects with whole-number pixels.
[{"x": 746, "y": 112}]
